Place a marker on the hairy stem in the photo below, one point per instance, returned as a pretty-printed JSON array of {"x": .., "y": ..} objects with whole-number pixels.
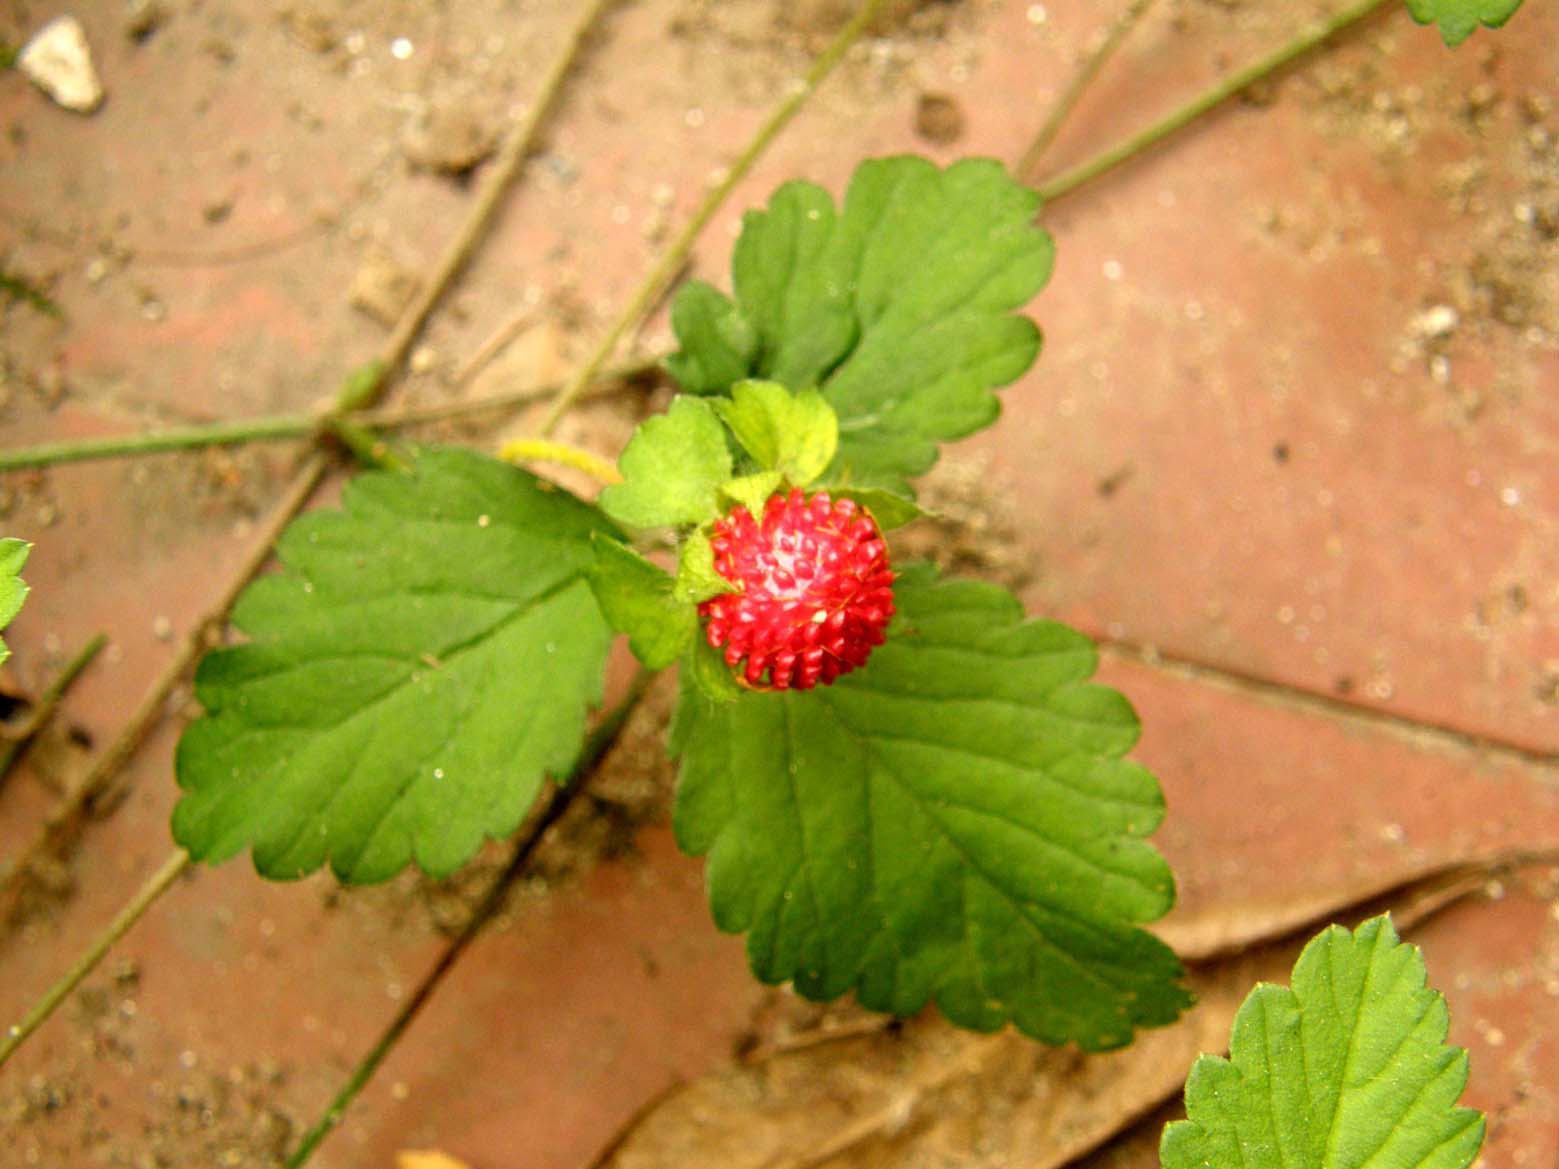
[
  {"x": 284, "y": 427},
  {"x": 1079, "y": 84},
  {"x": 676, "y": 253},
  {"x": 155, "y": 886},
  {"x": 560, "y": 800},
  {"x": 1214, "y": 96},
  {"x": 546, "y": 450}
]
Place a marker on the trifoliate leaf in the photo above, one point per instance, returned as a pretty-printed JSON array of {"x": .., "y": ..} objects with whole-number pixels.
[
  {"x": 718, "y": 343},
  {"x": 752, "y": 491},
  {"x": 795, "y": 434},
  {"x": 899, "y": 307},
  {"x": 1459, "y": 19},
  {"x": 425, "y": 659},
  {"x": 1348, "y": 1069},
  {"x": 13, "y": 590},
  {"x": 697, "y": 579},
  {"x": 952, "y": 821},
  {"x": 672, "y": 469},
  {"x": 637, "y": 599}
]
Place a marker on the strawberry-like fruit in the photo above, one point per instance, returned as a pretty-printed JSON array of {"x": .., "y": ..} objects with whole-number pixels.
[{"x": 813, "y": 591}]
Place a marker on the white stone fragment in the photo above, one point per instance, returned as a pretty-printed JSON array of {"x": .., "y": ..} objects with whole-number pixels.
[{"x": 58, "y": 62}]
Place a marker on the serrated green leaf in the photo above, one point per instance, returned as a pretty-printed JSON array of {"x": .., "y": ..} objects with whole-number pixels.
[
  {"x": 887, "y": 508},
  {"x": 672, "y": 469},
  {"x": 718, "y": 343},
  {"x": 794, "y": 434},
  {"x": 899, "y": 307},
  {"x": 1348, "y": 1069},
  {"x": 697, "y": 580},
  {"x": 637, "y": 599},
  {"x": 1459, "y": 19},
  {"x": 13, "y": 590},
  {"x": 752, "y": 491},
  {"x": 428, "y": 655},
  {"x": 952, "y": 821}
]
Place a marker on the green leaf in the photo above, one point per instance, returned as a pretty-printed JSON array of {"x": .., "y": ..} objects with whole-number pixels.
[
  {"x": 890, "y": 510},
  {"x": 13, "y": 590},
  {"x": 899, "y": 307},
  {"x": 718, "y": 343},
  {"x": 1348, "y": 1069},
  {"x": 697, "y": 580},
  {"x": 711, "y": 677},
  {"x": 425, "y": 659},
  {"x": 752, "y": 491},
  {"x": 795, "y": 434},
  {"x": 952, "y": 821},
  {"x": 1459, "y": 19},
  {"x": 638, "y": 600},
  {"x": 672, "y": 469}
]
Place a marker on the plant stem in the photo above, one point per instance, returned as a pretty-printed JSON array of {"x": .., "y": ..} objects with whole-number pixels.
[
  {"x": 154, "y": 888},
  {"x": 545, "y": 450},
  {"x": 562, "y": 797},
  {"x": 47, "y": 700},
  {"x": 1079, "y": 84},
  {"x": 676, "y": 253},
  {"x": 281, "y": 427},
  {"x": 1178, "y": 119}
]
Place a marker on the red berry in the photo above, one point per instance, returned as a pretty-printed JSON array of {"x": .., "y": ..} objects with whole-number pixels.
[{"x": 814, "y": 591}]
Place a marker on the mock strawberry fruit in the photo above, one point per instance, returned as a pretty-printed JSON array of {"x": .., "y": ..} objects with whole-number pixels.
[{"x": 813, "y": 591}]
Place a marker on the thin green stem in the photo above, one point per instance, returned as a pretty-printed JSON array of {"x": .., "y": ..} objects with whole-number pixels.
[
  {"x": 676, "y": 254},
  {"x": 1079, "y": 84},
  {"x": 546, "y": 450},
  {"x": 155, "y": 886},
  {"x": 1216, "y": 95},
  {"x": 49, "y": 699},
  {"x": 283, "y": 427},
  {"x": 562, "y": 797}
]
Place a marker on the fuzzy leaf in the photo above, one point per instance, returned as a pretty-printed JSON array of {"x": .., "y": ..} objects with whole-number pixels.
[
  {"x": 899, "y": 307},
  {"x": 1349, "y": 1068},
  {"x": 752, "y": 491},
  {"x": 1459, "y": 19},
  {"x": 953, "y": 821},
  {"x": 637, "y": 599},
  {"x": 697, "y": 580},
  {"x": 890, "y": 510},
  {"x": 794, "y": 434},
  {"x": 425, "y": 659},
  {"x": 672, "y": 469},
  {"x": 13, "y": 590}
]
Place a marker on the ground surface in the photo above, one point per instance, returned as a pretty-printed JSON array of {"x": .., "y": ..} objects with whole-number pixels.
[{"x": 1289, "y": 452}]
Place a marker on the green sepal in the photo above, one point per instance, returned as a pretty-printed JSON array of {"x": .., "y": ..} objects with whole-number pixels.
[
  {"x": 888, "y": 508},
  {"x": 697, "y": 581},
  {"x": 753, "y": 491},
  {"x": 672, "y": 469},
  {"x": 639, "y": 600},
  {"x": 711, "y": 676},
  {"x": 795, "y": 434}
]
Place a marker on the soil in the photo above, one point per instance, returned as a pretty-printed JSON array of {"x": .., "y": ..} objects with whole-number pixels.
[{"x": 1292, "y": 436}]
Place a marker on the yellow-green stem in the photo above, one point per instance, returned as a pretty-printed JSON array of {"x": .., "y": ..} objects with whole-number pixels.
[{"x": 546, "y": 450}]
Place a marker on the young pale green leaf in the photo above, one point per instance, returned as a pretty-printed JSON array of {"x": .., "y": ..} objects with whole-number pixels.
[
  {"x": 794, "y": 434},
  {"x": 899, "y": 307},
  {"x": 1459, "y": 19},
  {"x": 425, "y": 659},
  {"x": 953, "y": 821},
  {"x": 672, "y": 469},
  {"x": 638, "y": 600},
  {"x": 718, "y": 345},
  {"x": 13, "y": 590},
  {"x": 1348, "y": 1069}
]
